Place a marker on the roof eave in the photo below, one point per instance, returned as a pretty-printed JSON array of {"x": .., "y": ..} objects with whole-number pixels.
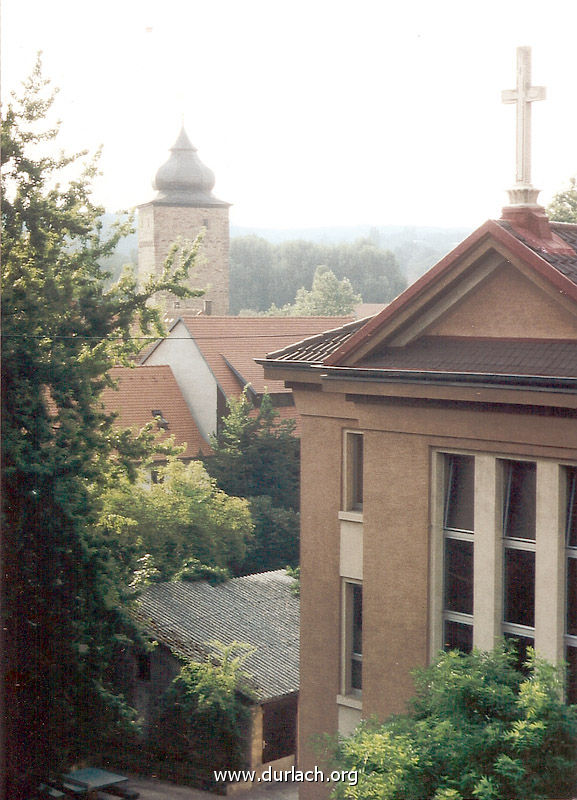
[{"x": 479, "y": 379}]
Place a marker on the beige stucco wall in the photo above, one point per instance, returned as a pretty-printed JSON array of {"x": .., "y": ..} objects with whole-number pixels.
[
  {"x": 508, "y": 303},
  {"x": 402, "y": 437}
]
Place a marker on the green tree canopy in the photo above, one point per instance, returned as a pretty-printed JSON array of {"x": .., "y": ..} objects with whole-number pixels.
[
  {"x": 265, "y": 274},
  {"x": 328, "y": 297},
  {"x": 478, "y": 728},
  {"x": 204, "y": 718},
  {"x": 256, "y": 453},
  {"x": 62, "y": 331},
  {"x": 563, "y": 206},
  {"x": 256, "y": 456},
  {"x": 183, "y": 516}
]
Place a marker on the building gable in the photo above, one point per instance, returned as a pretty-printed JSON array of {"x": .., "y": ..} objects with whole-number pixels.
[
  {"x": 193, "y": 375},
  {"x": 508, "y": 303},
  {"x": 490, "y": 269}
]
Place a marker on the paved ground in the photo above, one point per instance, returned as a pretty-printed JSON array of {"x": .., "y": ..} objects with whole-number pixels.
[{"x": 151, "y": 789}]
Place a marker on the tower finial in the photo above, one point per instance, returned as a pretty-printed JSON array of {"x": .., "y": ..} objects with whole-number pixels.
[{"x": 523, "y": 193}]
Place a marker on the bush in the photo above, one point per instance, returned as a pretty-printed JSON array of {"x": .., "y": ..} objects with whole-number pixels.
[
  {"x": 477, "y": 728},
  {"x": 204, "y": 719}
]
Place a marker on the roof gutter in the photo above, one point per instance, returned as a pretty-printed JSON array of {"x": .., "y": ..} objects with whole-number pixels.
[{"x": 540, "y": 383}]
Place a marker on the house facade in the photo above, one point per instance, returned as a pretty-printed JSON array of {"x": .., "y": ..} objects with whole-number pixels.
[{"x": 439, "y": 474}]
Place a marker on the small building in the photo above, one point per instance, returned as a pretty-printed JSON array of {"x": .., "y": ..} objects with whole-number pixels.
[{"x": 260, "y": 610}]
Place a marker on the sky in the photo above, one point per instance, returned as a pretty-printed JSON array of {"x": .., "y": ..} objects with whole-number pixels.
[{"x": 310, "y": 112}]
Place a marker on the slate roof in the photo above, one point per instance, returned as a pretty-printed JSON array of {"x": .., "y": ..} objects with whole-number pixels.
[
  {"x": 566, "y": 265},
  {"x": 549, "y": 357},
  {"x": 258, "y": 609},
  {"x": 146, "y": 388}
]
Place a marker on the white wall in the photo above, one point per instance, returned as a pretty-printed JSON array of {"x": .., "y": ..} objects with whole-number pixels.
[{"x": 193, "y": 375}]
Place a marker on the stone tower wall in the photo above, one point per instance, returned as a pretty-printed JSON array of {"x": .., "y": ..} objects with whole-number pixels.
[{"x": 159, "y": 226}]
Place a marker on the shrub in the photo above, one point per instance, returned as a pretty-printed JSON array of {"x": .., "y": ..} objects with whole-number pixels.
[
  {"x": 204, "y": 718},
  {"x": 477, "y": 728}
]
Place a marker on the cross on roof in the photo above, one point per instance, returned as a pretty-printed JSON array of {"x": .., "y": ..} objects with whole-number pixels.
[{"x": 523, "y": 95}]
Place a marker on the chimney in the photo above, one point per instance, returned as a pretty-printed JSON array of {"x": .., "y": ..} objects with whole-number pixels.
[{"x": 207, "y": 307}]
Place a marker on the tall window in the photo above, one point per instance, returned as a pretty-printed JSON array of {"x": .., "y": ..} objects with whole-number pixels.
[
  {"x": 571, "y": 586},
  {"x": 353, "y": 489},
  {"x": 353, "y": 645},
  {"x": 458, "y": 571},
  {"x": 519, "y": 518}
]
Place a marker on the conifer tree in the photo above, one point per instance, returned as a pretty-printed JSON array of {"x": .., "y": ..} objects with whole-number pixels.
[
  {"x": 62, "y": 331},
  {"x": 256, "y": 456}
]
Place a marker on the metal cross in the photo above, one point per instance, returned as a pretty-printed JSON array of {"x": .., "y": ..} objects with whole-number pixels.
[{"x": 523, "y": 96}]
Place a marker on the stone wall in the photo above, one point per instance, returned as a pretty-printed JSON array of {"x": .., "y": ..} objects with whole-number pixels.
[{"x": 159, "y": 226}]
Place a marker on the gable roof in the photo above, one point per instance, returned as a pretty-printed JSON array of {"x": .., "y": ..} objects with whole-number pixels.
[
  {"x": 560, "y": 271},
  {"x": 395, "y": 344},
  {"x": 230, "y": 345},
  {"x": 146, "y": 388},
  {"x": 567, "y": 232},
  {"x": 259, "y": 609}
]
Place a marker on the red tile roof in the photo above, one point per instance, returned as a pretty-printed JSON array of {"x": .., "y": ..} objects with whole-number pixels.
[
  {"x": 144, "y": 389},
  {"x": 230, "y": 345}
]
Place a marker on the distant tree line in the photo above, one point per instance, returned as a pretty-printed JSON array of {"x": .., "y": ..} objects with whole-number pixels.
[{"x": 263, "y": 273}]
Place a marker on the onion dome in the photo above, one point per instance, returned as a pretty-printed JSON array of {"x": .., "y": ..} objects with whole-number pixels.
[{"x": 184, "y": 179}]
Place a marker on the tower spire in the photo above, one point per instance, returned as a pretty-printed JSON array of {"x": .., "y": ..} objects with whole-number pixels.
[{"x": 523, "y": 193}]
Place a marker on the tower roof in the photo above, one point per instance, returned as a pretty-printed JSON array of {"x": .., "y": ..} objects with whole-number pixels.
[{"x": 184, "y": 180}]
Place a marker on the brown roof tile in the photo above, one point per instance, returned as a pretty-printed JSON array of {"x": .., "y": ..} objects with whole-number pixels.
[
  {"x": 547, "y": 358},
  {"x": 230, "y": 345},
  {"x": 144, "y": 389}
]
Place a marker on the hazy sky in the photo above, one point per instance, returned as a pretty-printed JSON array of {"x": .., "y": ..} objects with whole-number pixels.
[{"x": 310, "y": 112}]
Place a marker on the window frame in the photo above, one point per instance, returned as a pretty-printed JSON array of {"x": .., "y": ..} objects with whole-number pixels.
[
  {"x": 454, "y": 534},
  {"x": 528, "y": 545},
  {"x": 570, "y": 640},
  {"x": 348, "y": 654},
  {"x": 353, "y": 471}
]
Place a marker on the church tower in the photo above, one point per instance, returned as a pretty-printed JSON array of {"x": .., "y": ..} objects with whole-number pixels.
[{"x": 183, "y": 206}]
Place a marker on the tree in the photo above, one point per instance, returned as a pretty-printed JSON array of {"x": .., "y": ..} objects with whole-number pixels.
[
  {"x": 256, "y": 454},
  {"x": 275, "y": 542},
  {"x": 328, "y": 297},
  {"x": 62, "y": 331},
  {"x": 251, "y": 270},
  {"x": 563, "y": 206},
  {"x": 256, "y": 457},
  {"x": 203, "y": 718},
  {"x": 264, "y": 274},
  {"x": 196, "y": 520},
  {"x": 478, "y": 728}
]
